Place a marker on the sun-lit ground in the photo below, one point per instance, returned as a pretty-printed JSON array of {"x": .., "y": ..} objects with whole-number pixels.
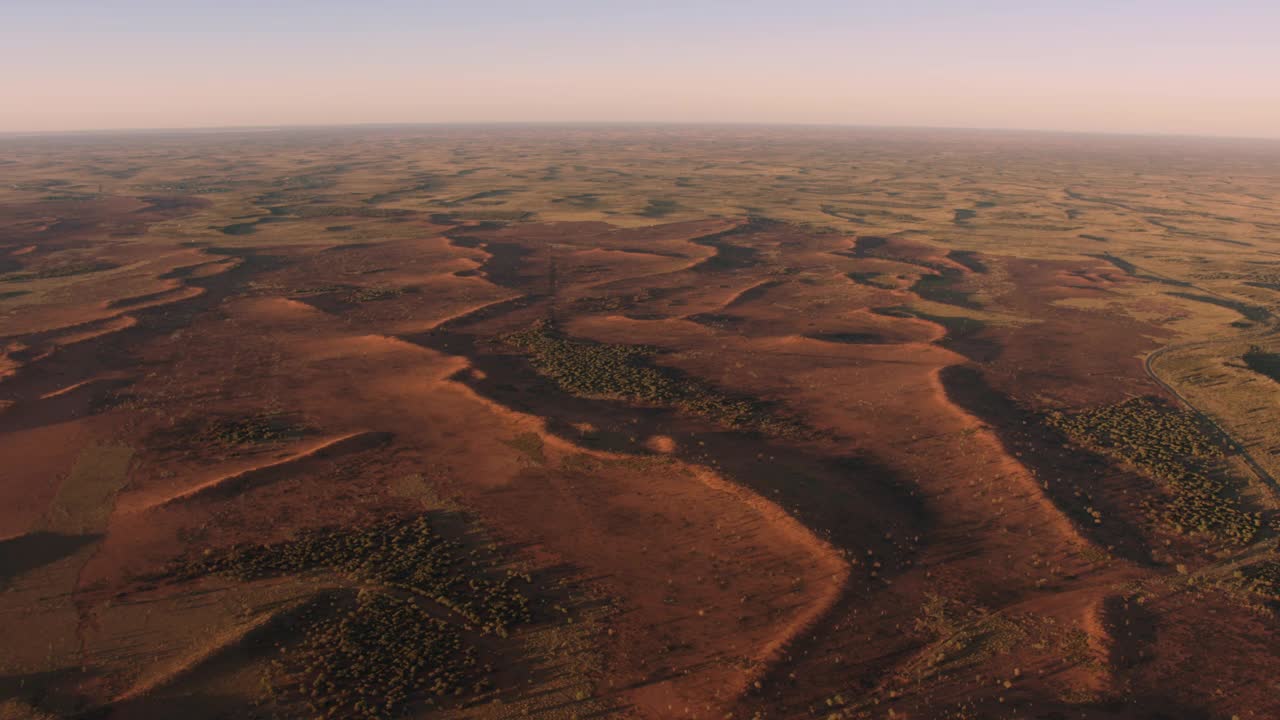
[{"x": 639, "y": 422}]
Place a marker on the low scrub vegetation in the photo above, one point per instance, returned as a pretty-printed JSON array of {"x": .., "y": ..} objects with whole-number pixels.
[
  {"x": 1176, "y": 449},
  {"x": 369, "y": 657},
  {"x": 370, "y": 660},
  {"x": 402, "y": 554},
  {"x": 373, "y": 294},
  {"x": 252, "y": 429},
  {"x": 58, "y": 271},
  {"x": 624, "y": 372},
  {"x": 1263, "y": 362},
  {"x": 1263, "y": 579}
]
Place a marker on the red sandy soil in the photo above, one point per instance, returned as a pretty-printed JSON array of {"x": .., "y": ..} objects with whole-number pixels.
[{"x": 748, "y": 574}]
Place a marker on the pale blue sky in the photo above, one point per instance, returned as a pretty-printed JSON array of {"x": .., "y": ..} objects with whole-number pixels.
[{"x": 1174, "y": 66}]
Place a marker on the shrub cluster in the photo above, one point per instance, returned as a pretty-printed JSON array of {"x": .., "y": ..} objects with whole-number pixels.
[
  {"x": 374, "y": 293},
  {"x": 1263, "y": 579},
  {"x": 1175, "y": 448},
  {"x": 369, "y": 659},
  {"x": 70, "y": 269},
  {"x": 623, "y": 372},
  {"x": 251, "y": 429},
  {"x": 398, "y": 553}
]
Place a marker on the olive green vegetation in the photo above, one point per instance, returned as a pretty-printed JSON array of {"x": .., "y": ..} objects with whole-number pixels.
[
  {"x": 624, "y": 372},
  {"x": 374, "y": 293},
  {"x": 964, "y": 634},
  {"x": 58, "y": 271},
  {"x": 252, "y": 429},
  {"x": 1174, "y": 447},
  {"x": 325, "y": 211},
  {"x": 1263, "y": 579},
  {"x": 1253, "y": 313},
  {"x": 246, "y": 228},
  {"x": 529, "y": 444},
  {"x": 617, "y": 303},
  {"x": 403, "y": 554},
  {"x": 367, "y": 660},
  {"x": 372, "y": 659},
  {"x": 873, "y": 279},
  {"x": 1263, "y": 362},
  {"x": 659, "y": 207},
  {"x": 965, "y": 631}
]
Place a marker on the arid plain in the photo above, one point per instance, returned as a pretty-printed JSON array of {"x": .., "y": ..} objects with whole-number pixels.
[{"x": 651, "y": 422}]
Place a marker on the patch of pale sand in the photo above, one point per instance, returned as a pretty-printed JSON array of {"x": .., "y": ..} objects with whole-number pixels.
[
  {"x": 661, "y": 443},
  {"x": 106, "y": 378},
  {"x": 277, "y": 309}
]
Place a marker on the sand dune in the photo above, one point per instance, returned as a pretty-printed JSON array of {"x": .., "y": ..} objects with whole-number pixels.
[{"x": 227, "y": 485}]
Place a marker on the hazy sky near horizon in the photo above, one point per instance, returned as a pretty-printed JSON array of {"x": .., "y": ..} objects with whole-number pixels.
[{"x": 1148, "y": 66}]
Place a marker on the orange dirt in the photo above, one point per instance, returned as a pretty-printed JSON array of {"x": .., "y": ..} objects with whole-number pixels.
[{"x": 905, "y": 537}]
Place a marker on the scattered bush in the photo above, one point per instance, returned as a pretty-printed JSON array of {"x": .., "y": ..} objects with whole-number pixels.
[
  {"x": 622, "y": 372},
  {"x": 1263, "y": 579},
  {"x": 252, "y": 429},
  {"x": 70, "y": 269},
  {"x": 374, "y": 293},
  {"x": 1175, "y": 448},
  {"x": 368, "y": 659},
  {"x": 403, "y": 554}
]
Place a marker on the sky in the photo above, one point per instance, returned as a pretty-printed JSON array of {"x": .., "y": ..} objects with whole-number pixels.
[{"x": 1208, "y": 67}]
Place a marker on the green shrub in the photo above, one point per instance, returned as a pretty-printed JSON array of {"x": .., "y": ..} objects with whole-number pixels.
[
  {"x": 1175, "y": 448},
  {"x": 623, "y": 372}
]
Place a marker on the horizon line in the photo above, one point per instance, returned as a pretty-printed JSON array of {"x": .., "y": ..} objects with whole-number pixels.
[{"x": 201, "y": 129}]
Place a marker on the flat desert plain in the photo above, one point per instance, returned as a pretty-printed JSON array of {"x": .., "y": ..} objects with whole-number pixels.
[{"x": 638, "y": 422}]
